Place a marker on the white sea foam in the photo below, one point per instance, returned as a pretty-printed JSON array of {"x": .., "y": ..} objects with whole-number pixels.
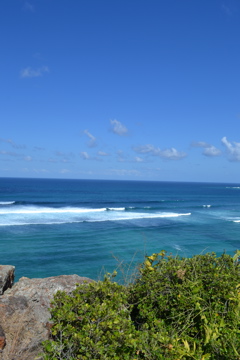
[
  {"x": 116, "y": 209},
  {"x": 232, "y": 187},
  {"x": 236, "y": 221},
  {"x": 25, "y": 215},
  {"x": 207, "y": 206},
  {"x": 38, "y": 210},
  {"x": 7, "y": 202},
  {"x": 137, "y": 216}
]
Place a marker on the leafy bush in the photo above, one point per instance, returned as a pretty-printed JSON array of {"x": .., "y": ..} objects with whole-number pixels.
[
  {"x": 177, "y": 308},
  {"x": 93, "y": 323}
]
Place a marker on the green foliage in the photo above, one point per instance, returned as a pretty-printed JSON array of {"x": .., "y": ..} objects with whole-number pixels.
[
  {"x": 93, "y": 323},
  {"x": 195, "y": 301},
  {"x": 177, "y": 308}
]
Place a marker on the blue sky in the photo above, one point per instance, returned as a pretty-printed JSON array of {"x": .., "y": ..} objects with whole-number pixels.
[{"x": 120, "y": 89}]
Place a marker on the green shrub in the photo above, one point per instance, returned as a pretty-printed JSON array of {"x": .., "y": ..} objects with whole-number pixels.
[
  {"x": 177, "y": 308},
  {"x": 92, "y": 323},
  {"x": 194, "y": 301}
]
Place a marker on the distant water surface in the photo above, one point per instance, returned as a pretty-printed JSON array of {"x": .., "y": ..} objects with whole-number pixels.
[{"x": 50, "y": 227}]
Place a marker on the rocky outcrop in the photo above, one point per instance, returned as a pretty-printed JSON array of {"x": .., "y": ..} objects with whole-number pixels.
[
  {"x": 2, "y": 338},
  {"x": 24, "y": 314},
  {"x": 6, "y": 277}
]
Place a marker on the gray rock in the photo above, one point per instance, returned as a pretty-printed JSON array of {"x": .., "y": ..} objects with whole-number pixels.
[
  {"x": 24, "y": 313},
  {"x": 2, "y": 339},
  {"x": 6, "y": 277}
]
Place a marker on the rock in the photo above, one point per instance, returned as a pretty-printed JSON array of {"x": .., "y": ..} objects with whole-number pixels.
[
  {"x": 24, "y": 313},
  {"x": 6, "y": 277},
  {"x": 2, "y": 338}
]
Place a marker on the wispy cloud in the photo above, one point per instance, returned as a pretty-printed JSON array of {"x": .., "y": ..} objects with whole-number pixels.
[
  {"x": 38, "y": 148},
  {"x": 39, "y": 171},
  {"x": 9, "y": 153},
  {"x": 52, "y": 160},
  {"x": 64, "y": 171},
  {"x": 233, "y": 149},
  {"x": 124, "y": 172},
  {"x": 31, "y": 73},
  {"x": 138, "y": 159},
  {"x": 121, "y": 157},
  {"x": 102, "y": 153},
  {"x": 27, "y": 158},
  {"x": 92, "y": 139},
  {"x": 118, "y": 128},
  {"x": 84, "y": 155},
  {"x": 226, "y": 10},
  {"x": 171, "y": 153},
  {"x": 145, "y": 149},
  {"x": 65, "y": 157},
  {"x": 12, "y": 143},
  {"x": 209, "y": 150},
  {"x": 29, "y": 7},
  {"x": 16, "y": 155}
]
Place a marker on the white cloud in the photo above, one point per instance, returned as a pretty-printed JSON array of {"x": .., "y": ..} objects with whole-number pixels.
[
  {"x": 138, "y": 159},
  {"x": 28, "y": 158},
  {"x": 92, "y": 139},
  {"x": 200, "y": 144},
  {"x": 64, "y": 171},
  {"x": 171, "y": 154},
  {"x": 233, "y": 149},
  {"x": 118, "y": 128},
  {"x": 30, "y": 73},
  {"x": 144, "y": 149},
  {"x": 123, "y": 172},
  {"x": 84, "y": 155},
  {"x": 209, "y": 150},
  {"x": 102, "y": 153},
  {"x": 38, "y": 171}
]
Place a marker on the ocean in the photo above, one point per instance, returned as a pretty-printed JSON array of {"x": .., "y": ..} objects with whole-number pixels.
[{"x": 50, "y": 227}]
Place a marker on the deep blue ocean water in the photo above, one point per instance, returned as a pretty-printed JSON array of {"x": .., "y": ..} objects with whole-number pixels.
[{"x": 52, "y": 227}]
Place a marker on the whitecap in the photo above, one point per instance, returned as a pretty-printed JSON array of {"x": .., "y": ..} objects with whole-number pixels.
[
  {"x": 207, "y": 206},
  {"x": 116, "y": 209},
  {"x": 67, "y": 216},
  {"x": 136, "y": 216},
  {"x": 38, "y": 210},
  {"x": 7, "y": 202}
]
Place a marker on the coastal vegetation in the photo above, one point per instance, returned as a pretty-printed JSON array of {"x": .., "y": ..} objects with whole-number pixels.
[{"x": 176, "y": 308}]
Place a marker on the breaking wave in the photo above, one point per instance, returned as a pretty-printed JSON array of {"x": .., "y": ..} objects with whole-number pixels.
[
  {"x": 34, "y": 215},
  {"x": 7, "y": 202}
]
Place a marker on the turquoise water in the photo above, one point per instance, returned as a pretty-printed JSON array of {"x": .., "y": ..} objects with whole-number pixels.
[{"x": 53, "y": 227}]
